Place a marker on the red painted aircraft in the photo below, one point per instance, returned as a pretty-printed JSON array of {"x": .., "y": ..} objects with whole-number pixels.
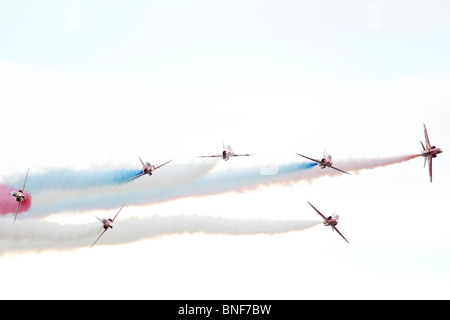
[
  {"x": 326, "y": 161},
  {"x": 227, "y": 153},
  {"x": 429, "y": 152},
  {"x": 20, "y": 196},
  {"x": 331, "y": 221},
  {"x": 107, "y": 224},
  {"x": 147, "y": 168}
]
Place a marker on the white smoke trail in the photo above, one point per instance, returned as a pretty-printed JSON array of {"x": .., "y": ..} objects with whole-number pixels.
[
  {"x": 32, "y": 234},
  {"x": 358, "y": 165},
  {"x": 182, "y": 181},
  {"x": 35, "y": 235},
  {"x": 65, "y": 189},
  {"x": 105, "y": 178}
]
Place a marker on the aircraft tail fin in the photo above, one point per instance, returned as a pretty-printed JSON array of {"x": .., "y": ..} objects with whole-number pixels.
[{"x": 422, "y": 145}]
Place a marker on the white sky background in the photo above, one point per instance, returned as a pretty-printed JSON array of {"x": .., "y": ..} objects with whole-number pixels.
[{"x": 96, "y": 85}]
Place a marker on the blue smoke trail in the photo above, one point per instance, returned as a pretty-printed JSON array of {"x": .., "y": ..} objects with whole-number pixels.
[
  {"x": 70, "y": 179},
  {"x": 235, "y": 180}
]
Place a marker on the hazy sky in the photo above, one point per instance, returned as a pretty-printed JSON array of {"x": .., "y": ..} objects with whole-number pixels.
[{"x": 92, "y": 86}]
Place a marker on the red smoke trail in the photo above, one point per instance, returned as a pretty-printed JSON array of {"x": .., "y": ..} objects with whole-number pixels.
[{"x": 8, "y": 204}]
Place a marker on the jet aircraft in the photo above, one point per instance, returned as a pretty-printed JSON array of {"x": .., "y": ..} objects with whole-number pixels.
[
  {"x": 331, "y": 221},
  {"x": 227, "y": 153},
  {"x": 107, "y": 224},
  {"x": 326, "y": 161},
  {"x": 429, "y": 152},
  {"x": 147, "y": 168},
  {"x": 20, "y": 196}
]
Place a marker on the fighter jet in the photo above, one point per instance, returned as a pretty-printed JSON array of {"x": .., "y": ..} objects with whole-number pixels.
[
  {"x": 331, "y": 221},
  {"x": 326, "y": 161},
  {"x": 429, "y": 152},
  {"x": 107, "y": 224},
  {"x": 147, "y": 168},
  {"x": 20, "y": 196},
  {"x": 227, "y": 153}
]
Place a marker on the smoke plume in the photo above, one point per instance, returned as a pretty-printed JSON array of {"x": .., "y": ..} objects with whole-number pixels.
[{"x": 35, "y": 235}]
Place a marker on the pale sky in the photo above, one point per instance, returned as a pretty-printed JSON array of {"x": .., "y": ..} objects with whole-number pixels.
[{"x": 92, "y": 86}]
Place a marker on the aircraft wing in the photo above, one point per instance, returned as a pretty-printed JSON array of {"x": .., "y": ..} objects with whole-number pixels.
[
  {"x": 118, "y": 212},
  {"x": 243, "y": 155},
  {"x": 318, "y": 212},
  {"x": 308, "y": 158},
  {"x": 213, "y": 156},
  {"x": 135, "y": 177},
  {"x": 339, "y": 170},
  {"x": 17, "y": 211},
  {"x": 98, "y": 238},
  {"x": 423, "y": 146},
  {"x": 163, "y": 164},
  {"x": 25, "y": 182},
  {"x": 427, "y": 139},
  {"x": 100, "y": 229},
  {"x": 430, "y": 166},
  {"x": 334, "y": 228}
]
